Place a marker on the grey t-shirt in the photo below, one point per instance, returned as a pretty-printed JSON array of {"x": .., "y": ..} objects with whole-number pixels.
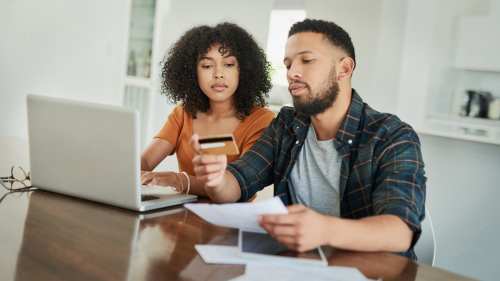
[{"x": 315, "y": 178}]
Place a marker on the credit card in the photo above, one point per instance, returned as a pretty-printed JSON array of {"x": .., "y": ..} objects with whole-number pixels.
[{"x": 219, "y": 145}]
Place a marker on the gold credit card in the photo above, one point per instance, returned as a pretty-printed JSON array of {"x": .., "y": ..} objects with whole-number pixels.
[{"x": 219, "y": 145}]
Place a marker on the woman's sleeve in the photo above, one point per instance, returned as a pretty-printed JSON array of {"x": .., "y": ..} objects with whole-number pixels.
[
  {"x": 172, "y": 128},
  {"x": 256, "y": 127}
]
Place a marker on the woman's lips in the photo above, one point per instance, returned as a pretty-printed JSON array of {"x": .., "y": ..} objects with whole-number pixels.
[{"x": 219, "y": 87}]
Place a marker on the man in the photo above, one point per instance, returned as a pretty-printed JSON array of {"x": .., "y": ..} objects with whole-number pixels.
[{"x": 353, "y": 177}]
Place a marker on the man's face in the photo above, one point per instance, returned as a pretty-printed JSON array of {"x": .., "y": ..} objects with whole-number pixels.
[{"x": 310, "y": 63}]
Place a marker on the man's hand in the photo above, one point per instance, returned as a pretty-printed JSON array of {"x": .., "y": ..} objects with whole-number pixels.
[
  {"x": 209, "y": 169},
  {"x": 302, "y": 229},
  {"x": 220, "y": 185}
]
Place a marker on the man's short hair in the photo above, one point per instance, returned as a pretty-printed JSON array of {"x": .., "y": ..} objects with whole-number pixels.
[{"x": 335, "y": 35}]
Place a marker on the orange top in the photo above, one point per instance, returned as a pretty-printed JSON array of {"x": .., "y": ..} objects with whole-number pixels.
[{"x": 178, "y": 130}]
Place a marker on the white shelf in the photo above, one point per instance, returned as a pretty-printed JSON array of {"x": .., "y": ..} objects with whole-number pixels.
[
  {"x": 461, "y": 121},
  {"x": 463, "y": 128},
  {"x": 138, "y": 81}
]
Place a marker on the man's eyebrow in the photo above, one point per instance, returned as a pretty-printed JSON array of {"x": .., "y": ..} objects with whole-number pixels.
[
  {"x": 229, "y": 55},
  {"x": 301, "y": 53}
]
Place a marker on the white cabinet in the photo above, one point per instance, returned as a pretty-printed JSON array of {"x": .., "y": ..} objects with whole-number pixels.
[
  {"x": 138, "y": 83},
  {"x": 478, "y": 43}
]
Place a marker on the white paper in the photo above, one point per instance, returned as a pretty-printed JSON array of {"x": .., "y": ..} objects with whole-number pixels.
[
  {"x": 238, "y": 215},
  {"x": 272, "y": 271},
  {"x": 219, "y": 254}
]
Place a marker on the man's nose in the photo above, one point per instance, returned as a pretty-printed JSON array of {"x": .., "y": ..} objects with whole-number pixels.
[{"x": 294, "y": 72}]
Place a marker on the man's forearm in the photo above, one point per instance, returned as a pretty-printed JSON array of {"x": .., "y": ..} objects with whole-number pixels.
[
  {"x": 228, "y": 191},
  {"x": 376, "y": 233}
]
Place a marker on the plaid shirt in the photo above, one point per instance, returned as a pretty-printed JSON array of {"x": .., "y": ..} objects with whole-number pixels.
[{"x": 382, "y": 168}]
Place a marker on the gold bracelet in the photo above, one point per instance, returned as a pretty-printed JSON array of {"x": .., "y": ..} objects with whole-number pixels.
[{"x": 182, "y": 185}]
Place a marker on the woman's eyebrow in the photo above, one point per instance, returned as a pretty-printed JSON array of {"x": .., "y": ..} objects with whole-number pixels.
[
  {"x": 205, "y": 58},
  {"x": 210, "y": 58}
]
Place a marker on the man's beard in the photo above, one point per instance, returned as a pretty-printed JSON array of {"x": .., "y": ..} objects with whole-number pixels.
[{"x": 319, "y": 102}]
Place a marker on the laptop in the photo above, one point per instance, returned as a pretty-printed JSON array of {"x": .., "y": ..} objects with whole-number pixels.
[{"x": 91, "y": 151}]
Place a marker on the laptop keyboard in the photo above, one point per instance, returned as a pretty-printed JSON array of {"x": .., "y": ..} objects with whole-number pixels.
[{"x": 148, "y": 197}]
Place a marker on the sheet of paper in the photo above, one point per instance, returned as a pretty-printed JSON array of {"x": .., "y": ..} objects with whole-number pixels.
[
  {"x": 273, "y": 271},
  {"x": 219, "y": 254},
  {"x": 238, "y": 215}
]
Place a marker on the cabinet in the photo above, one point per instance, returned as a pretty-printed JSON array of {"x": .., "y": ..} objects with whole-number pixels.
[
  {"x": 139, "y": 86},
  {"x": 443, "y": 61},
  {"x": 479, "y": 41}
]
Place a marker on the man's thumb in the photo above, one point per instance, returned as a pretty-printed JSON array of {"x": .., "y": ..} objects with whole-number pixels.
[{"x": 195, "y": 144}]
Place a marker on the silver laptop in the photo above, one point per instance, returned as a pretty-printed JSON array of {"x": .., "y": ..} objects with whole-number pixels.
[{"x": 91, "y": 151}]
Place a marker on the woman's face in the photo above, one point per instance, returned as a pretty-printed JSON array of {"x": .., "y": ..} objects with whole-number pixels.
[{"x": 218, "y": 74}]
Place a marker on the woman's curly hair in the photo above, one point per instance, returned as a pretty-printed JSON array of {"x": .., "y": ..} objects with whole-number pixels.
[{"x": 179, "y": 75}]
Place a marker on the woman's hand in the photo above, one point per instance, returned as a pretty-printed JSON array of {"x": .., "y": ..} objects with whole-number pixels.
[{"x": 159, "y": 178}]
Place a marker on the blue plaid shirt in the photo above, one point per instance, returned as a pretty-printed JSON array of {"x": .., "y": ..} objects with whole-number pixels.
[{"x": 382, "y": 168}]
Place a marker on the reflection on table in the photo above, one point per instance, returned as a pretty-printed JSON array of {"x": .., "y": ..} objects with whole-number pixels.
[{"x": 70, "y": 239}]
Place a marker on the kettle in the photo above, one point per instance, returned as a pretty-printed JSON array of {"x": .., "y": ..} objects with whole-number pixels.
[
  {"x": 477, "y": 103},
  {"x": 484, "y": 103}
]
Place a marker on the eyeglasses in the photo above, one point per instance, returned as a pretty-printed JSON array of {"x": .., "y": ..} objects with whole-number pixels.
[{"x": 17, "y": 180}]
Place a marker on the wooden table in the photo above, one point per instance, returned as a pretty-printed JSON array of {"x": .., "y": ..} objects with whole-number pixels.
[{"x": 46, "y": 236}]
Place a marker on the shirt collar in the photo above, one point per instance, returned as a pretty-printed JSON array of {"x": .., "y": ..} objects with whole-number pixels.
[{"x": 349, "y": 126}]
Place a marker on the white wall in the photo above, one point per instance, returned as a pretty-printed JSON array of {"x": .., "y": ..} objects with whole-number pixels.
[
  {"x": 415, "y": 60},
  {"x": 59, "y": 48},
  {"x": 361, "y": 19},
  {"x": 387, "y": 52},
  {"x": 462, "y": 198}
]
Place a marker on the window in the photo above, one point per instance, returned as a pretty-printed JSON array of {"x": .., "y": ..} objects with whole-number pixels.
[{"x": 279, "y": 25}]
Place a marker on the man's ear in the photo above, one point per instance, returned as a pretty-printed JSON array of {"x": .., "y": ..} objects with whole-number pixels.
[{"x": 346, "y": 67}]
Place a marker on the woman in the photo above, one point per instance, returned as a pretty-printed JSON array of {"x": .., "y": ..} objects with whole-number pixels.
[{"x": 221, "y": 77}]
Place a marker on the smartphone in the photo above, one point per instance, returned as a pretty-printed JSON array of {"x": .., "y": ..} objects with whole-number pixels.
[{"x": 261, "y": 246}]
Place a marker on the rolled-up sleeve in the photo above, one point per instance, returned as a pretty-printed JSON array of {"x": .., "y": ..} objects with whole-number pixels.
[
  {"x": 254, "y": 169},
  {"x": 400, "y": 181}
]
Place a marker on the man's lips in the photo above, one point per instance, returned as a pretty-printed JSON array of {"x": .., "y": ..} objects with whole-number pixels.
[
  {"x": 296, "y": 88},
  {"x": 219, "y": 87}
]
